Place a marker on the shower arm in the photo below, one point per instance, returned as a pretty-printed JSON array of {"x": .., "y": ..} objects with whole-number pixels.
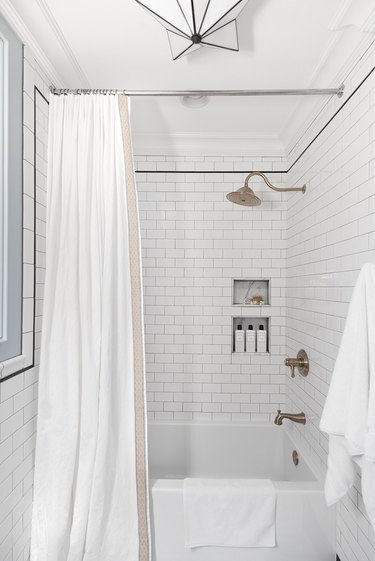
[{"x": 273, "y": 187}]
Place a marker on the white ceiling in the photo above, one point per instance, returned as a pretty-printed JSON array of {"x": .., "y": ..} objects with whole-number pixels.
[{"x": 283, "y": 44}]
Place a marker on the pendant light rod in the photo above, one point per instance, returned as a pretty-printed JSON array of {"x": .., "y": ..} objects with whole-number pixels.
[{"x": 218, "y": 93}]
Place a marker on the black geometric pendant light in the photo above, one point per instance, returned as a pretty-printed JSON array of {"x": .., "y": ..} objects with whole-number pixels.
[{"x": 192, "y": 24}]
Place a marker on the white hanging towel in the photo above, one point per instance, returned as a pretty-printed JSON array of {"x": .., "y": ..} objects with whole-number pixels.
[
  {"x": 229, "y": 512},
  {"x": 349, "y": 411}
]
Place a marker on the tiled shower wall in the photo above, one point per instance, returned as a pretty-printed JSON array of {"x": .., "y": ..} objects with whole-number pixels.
[
  {"x": 18, "y": 403},
  {"x": 331, "y": 234},
  {"x": 194, "y": 242}
]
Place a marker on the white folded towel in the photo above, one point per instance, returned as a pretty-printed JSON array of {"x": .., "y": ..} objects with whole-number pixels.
[
  {"x": 229, "y": 512},
  {"x": 349, "y": 411}
]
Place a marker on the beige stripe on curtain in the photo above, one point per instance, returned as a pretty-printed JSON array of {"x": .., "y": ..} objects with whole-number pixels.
[{"x": 137, "y": 312}]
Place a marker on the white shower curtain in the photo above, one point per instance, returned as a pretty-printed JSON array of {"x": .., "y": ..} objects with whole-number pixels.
[{"x": 90, "y": 494}]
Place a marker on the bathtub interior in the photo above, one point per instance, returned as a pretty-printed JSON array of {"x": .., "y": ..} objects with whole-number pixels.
[
  {"x": 177, "y": 451},
  {"x": 305, "y": 527}
]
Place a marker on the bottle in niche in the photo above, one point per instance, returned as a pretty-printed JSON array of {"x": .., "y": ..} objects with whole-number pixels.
[
  {"x": 239, "y": 340},
  {"x": 261, "y": 340},
  {"x": 250, "y": 339}
]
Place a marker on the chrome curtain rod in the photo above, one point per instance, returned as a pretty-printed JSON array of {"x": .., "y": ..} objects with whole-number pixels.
[{"x": 230, "y": 93}]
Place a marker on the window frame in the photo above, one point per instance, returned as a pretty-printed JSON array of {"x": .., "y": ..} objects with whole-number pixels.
[{"x": 24, "y": 358}]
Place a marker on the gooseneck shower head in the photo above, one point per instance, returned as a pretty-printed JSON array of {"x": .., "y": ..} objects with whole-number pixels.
[{"x": 246, "y": 197}]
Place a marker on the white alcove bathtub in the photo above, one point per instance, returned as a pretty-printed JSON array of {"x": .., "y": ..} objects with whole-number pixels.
[{"x": 304, "y": 524}]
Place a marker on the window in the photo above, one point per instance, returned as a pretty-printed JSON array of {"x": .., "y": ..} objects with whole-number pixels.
[{"x": 11, "y": 62}]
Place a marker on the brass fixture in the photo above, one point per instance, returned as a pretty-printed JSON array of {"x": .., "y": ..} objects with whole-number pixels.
[
  {"x": 295, "y": 417},
  {"x": 301, "y": 363},
  {"x": 246, "y": 197},
  {"x": 295, "y": 457}
]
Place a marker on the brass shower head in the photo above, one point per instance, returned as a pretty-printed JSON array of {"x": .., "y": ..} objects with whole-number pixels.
[{"x": 246, "y": 197}]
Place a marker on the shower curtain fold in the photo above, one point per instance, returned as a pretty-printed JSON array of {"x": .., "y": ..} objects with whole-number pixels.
[{"x": 90, "y": 489}]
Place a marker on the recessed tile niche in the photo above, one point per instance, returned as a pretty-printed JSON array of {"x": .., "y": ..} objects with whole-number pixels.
[
  {"x": 251, "y": 292},
  {"x": 256, "y": 322}
]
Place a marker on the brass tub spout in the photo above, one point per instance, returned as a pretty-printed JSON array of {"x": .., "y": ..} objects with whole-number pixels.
[{"x": 295, "y": 417}]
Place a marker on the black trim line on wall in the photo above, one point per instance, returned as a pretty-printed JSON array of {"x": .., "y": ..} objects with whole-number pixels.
[
  {"x": 32, "y": 365},
  {"x": 41, "y": 95},
  {"x": 271, "y": 171}
]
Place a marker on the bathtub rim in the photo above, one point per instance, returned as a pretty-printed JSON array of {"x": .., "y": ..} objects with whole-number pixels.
[{"x": 282, "y": 487}]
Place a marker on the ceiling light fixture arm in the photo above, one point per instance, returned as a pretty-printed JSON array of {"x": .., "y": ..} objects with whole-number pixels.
[{"x": 273, "y": 187}]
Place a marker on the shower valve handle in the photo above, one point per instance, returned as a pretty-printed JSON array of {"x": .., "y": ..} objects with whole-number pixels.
[
  {"x": 301, "y": 362},
  {"x": 291, "y": 362}
]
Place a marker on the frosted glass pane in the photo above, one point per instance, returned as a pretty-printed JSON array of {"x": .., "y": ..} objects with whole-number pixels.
[
  {"x": 180, "y": 45},
  {"x": 188, "y": 12},
  {"x": 200, "y": 8},
  {"x": 224, "y": 37},
  {"x": 168, "y": 13},
  {"x": 221, "y": 12},
  {"x": 193, "y": 47}
]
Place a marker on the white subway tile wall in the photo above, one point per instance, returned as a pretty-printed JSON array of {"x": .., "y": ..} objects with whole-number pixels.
[
  {"x": 194, "y": 243},
  {"x": 18, "y": 395},
  {"x": 331, "y": 234}
]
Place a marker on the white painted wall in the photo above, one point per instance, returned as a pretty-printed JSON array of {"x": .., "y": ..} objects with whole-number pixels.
[{"x": 18, "y": 403}]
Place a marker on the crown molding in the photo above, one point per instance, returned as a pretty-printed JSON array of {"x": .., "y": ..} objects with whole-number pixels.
[
  {"x": 33, "y": 19},
  {"x": 306, "y": 128},
  {"x": 24, "y": 34},
  {"x": 63, "y": 43},
  {"x": 356, "y": 13},
  {"x": 338, "y": 17},
  {"x": 210, "y": 144},
  {"x": 343, "y": 52}
]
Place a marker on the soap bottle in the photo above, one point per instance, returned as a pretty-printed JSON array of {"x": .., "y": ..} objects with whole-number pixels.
[
  {"x": 250, "y": 339},
  {"x": 261, "y": 340},
  {"x": 239, "y": 340}
]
